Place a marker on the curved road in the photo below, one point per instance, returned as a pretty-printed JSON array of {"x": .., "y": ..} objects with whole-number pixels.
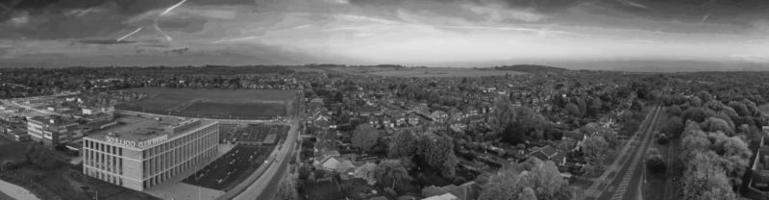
[
  {"x": 622, "y": 179},
  {"x": 265, "y": 186}
]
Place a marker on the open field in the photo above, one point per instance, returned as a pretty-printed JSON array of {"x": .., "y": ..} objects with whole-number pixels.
[
  {"x": 423, "y": 71},
  {"x": 230, "y": 169},
  {"x": 213, "y": 103}
]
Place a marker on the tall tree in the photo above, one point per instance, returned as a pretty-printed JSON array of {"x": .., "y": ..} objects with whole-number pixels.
[
  {"x": 713, "y": 124},
  {"x": 595, "y": 148},
  {"x": 365, "y": 137},
  {"x": 404, "y": 144},
  {"x": 540, "y": 178},
  {"x": 439, "y": 154},
  {"x": 391, "y": 173}
]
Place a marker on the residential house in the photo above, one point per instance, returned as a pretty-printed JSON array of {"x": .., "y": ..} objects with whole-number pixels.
[
  {"x": 549, "y": 153},
  {"x": 439, "y": 116},
  {"x": 466, "y": 191},
  {"x": 447, "y": 196}
]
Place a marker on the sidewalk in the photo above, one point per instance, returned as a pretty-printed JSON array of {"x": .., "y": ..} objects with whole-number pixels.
[{"x": 16, "y": 192}]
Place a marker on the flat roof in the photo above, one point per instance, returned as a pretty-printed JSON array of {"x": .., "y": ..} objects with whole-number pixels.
[{"x": 140, "y": 128}]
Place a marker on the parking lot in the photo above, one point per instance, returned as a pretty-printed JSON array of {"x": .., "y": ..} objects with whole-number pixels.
[{"x": 230, "y": 169}]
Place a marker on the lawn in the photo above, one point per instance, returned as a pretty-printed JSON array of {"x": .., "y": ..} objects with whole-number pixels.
[
  {"x": 67, "y": 182},
  {"x": 13, "y": 151},
  {"x": 213, "y": 103}
]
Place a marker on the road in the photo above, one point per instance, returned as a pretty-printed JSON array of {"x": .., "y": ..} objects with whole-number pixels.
[
  {"x": 624, "y": 176},
  {"x": 265, "y": 186}
]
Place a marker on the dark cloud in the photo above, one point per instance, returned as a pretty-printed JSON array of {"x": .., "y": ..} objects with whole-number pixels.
[
  {"x": 61, "y": 19},
  {"x": 650, "y": 8},
  {"x": 106, "y": 42}
]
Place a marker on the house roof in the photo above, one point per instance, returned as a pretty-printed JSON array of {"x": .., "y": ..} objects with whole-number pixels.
[
  {"x": 447, "y": 196},
  {"x": 461, "y": 192},
  {"x": 330, "y": 163},
  {"x": 548, "y": 150}
]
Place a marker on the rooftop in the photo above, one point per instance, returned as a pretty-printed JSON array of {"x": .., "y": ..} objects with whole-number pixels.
[{"x": 140, "y": 128}]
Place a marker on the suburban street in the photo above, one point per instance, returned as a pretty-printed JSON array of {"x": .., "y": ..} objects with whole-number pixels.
[
  {"x": 265, "y": 186},
  {"x": 624, "y": 177}
]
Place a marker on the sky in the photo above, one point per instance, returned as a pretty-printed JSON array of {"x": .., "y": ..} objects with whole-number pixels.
[{"x": 454, "y": 33}]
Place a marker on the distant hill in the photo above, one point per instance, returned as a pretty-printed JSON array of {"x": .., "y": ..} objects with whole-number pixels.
[{"x": 531, "y": 68}]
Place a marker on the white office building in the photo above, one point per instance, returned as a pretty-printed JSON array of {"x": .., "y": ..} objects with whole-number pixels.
[{"x": 139, "y": 152}]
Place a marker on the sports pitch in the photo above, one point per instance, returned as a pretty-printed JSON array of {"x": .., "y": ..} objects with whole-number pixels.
[{"x": 214, "y": 103}]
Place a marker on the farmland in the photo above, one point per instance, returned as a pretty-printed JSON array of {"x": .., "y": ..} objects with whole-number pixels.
[
  {"x": 213, "y": 103},
  {"x": 422, "y": 72}
]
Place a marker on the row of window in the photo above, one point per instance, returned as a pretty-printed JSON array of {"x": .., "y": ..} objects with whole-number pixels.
[
  {"x": 173, "y": 172},
  {"x": 168, "y": 159},
  {"x": 100, "y": 160},
  {"x": 104, "y": 176},
  {"x": 102, "y": 147},
  {"x": 159, "y": 149}
]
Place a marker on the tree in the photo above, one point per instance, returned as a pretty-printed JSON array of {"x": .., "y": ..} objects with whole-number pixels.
[
  {"x": 713, "y": 124},
  {"x": 704, "y": 174},
  {"x": 740, "y": 108},
  {"x": 404, "y": 144},
  {"x": 366, "y": 172},
  {"x": 736, "y": 155},
  {"x": 697, "y": 114},
  {"x": 391, "y": 173},
  {"x": 673, "y": 126},
  {"x": 573, "y": 109},
  {"x": 514, "y": 124},
  {"x": 673, "y": 110},
  {"x": 287, "y": 190},
  {"x": 365, "y": 137},
  {"x": 439, "y": 154},
  {"x": 41, "y": 157},
  {"x": 751, "y": 106},
  {"x": 595, "y": 148},
  {"x": 705, "y": 96},
  {"x": 527, "y": 194},
  {"x": 541, "y": 180},
  {"x": 607, "y": 133}
]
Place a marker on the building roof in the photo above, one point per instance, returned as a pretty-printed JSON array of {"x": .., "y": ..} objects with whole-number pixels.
[
  {"x": 447, "y": 196},
  {"x": 51, "y": 120},
  {"x": 140, "y": 128}
]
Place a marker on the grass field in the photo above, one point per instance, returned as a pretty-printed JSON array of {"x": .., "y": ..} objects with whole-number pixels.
[
  {"x": 213, "y": 103},
  {"x": 423, "y": 71}
]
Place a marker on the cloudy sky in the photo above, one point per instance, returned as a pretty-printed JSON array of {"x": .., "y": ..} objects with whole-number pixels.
[{"x": 410, "y": 32}]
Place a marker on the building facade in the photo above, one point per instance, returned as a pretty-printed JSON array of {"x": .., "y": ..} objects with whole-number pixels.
[
  {"x": 142, "y": 159},
  {"x": 51, "y": 130}
]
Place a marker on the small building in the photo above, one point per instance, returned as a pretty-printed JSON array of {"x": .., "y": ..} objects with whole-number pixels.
[
  {"x": 18, "y": 135},
  {"x": 52, "y": 130},
  {"x": 466, "y": 191}
]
